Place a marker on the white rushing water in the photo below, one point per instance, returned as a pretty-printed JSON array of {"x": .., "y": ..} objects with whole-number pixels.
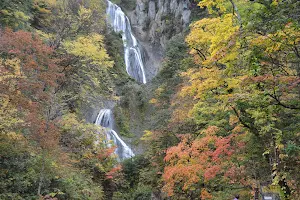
[
  {"x": 132, "y": 52},
  {"x": 106, "y": 120}
]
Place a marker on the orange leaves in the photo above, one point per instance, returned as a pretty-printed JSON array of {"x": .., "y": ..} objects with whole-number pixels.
[
  {"x": 211, "y": 130},
  {"x": 177, "y": 151},
  {"x": 31, "y": 75},
  {"x": 205, "y": 194},
  {"x": 188, "y": 175},
  {"x": 236, "y": 174},
  {"x": 198, "y": 160},
  {"x": 113, "y": 172},
  {"x": 35, "y": 58},
  {"x": 211, "y": 172},
  {"x": 105, "y": 153}
]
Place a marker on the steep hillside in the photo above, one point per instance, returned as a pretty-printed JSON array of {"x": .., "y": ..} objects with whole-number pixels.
[{"x": 149, "y": 99}]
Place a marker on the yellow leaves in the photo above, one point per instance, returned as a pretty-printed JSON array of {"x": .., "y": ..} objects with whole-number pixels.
[
  {"x": 84, "y": 13},
  {"x": 282, "y": 40},
  {"x": 40, "y": 7},
  {"x": 8, "y": 115},
  {"x": 206, "y": 82},
  {"x": 91, "y": 49},
  {"x": 212, "y": 92},
  {"x": 280, "y": 146},
  {"x": 216, "y": 38},
  {"x": 275, "y": 2},
  {"x": 115, "y": 98},
  {"x": 210, "y": 131},
  {"x": 238, "y": 130},
  {"x": 14, "y": 136},
  {"x": 88, "y": 155},
  {"x": 159, "y": 91},
  {"x": 181, "y": 113},
  {"x": 148, "y": 135},
  {"x": 46, "y": 37},
  {"x": 267, "y": 43},
  {"x": 21, "y": 16},
  {"x": 5, "y": 12},
  {"x": 233, "y": 119},
  {"x": 200, "y": 81},
  {"x": 69, "y": 121},
  {"x": 153, "y": 101},
  {"x": 211, "y": 4},
  {"x": 96, "y": 5},
  {"x": 10, "y": 68},
  {"x": 282, "y": 156}
]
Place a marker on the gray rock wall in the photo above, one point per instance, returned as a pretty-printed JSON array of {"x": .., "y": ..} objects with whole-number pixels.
[{"x": 154, "y": 23}]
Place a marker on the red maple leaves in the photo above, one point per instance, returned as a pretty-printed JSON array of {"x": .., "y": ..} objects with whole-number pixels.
[{"x": 199, "y": 160}]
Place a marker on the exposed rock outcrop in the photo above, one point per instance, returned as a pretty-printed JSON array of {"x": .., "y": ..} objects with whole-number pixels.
[
  {"x": 158, "y": 20},
  {"x": 154, "y": 23}
]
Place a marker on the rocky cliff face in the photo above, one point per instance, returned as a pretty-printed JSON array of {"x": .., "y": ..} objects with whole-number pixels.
[
  {"x": 154, "y": 23},
  {"x": 158, "y": 20}
]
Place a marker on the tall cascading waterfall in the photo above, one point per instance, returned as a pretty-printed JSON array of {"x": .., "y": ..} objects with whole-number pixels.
[
  {"x": 134, "y": 67},
  {"x": 132, "y": 51},
  {"x": 106, "y": 120}
]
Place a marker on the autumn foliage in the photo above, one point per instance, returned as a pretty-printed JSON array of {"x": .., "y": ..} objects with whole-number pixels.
[
  {"x": 194, "y": 162},
  {"x": 30, "y": 77}
]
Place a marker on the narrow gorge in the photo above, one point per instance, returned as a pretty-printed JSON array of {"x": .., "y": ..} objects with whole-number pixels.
[
  {"x": 149, "y": 99},
  {"x": 143, "y": 58}
]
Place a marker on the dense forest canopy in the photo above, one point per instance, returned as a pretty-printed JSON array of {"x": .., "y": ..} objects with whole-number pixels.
[{"x": 221, "y": 118}]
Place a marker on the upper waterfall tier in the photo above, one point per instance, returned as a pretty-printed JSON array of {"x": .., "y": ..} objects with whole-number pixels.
[
  {"x": 133, "y": 57},
  {"x": 105, "y": 119}
]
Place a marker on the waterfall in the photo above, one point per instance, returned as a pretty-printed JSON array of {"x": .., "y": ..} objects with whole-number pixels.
[
  {"x": 132, "y": 52},
  {"x": 106, "y": 120},
  {"x": 134, "y": 67}
]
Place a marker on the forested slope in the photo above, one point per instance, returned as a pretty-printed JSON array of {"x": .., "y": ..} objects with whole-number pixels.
[
  {"x": 53, "y": 64},
  {"x": 230, "y": 90},
  {"x": 222, "y": 116}
]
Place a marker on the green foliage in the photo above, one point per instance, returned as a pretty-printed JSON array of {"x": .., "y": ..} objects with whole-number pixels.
[
  {"x": 46, "y": 149},
  {"x": 90, "y": 49},
  {"x": 15, "y": 14},
  {"x": 176, "y": 59},
  {"x": 76, "y": 185},
  {"x": 222, "y": 115},
  {"x": 243, "y": 80},
  {"x": 20, "y": 167},
  {"x": 131, "y": 169},
  {"x": 136, "y": 187},
  {"x": 90, "y": 75},
  {"x": 114, "y": 44},
  {"x": 122, "y": 122},
  {"x": 77, "y": 135}
]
